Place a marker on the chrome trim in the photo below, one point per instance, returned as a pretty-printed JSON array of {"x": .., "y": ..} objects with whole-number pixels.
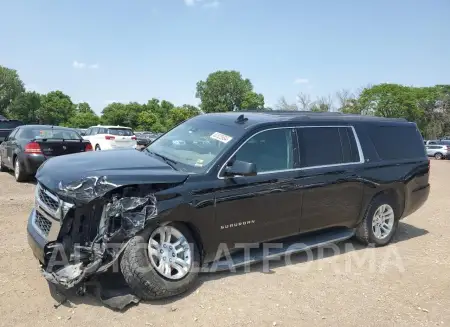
[
  {"x": 58, "y": 214},
  {"x": 54, "y": 229},
  {"x": 358, "y": 145},
  {"x": 54, "y": 216}
]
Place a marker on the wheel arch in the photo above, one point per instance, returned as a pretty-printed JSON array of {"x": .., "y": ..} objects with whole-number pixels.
[{"x": 396, "y": 192}]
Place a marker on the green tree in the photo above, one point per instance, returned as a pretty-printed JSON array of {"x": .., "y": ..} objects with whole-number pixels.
[
  {"x": 84, "y": 107},
  {"x": 56, "y": 108},
  {"x": 227, "y": 91},
  {"x": 25, "y": 107},
  {"x": 115, "y": 114},
  {"x": 84, "y": 120},
  {"x": 11, "y": 86}
]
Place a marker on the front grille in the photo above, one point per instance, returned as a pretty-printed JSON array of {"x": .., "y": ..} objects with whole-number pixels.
[
  {"x": 43, "y": 223},
  {"x": 47, "y": 198}
]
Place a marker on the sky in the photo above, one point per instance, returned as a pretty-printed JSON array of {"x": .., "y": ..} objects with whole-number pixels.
[{"x": 102, "y": 51}]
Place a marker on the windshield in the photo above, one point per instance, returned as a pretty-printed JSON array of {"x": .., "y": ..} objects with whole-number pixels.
[
  {"x": 120, "y": 131},
  {"x": 194, "y": 144},
  {"x": 49, "y": 133}
]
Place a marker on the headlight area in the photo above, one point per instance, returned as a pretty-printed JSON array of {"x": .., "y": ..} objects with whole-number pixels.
[{"x": 93, "y": 235}]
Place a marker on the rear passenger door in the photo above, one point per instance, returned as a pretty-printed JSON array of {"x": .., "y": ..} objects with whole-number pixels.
[{"x": 330, "y": 157}]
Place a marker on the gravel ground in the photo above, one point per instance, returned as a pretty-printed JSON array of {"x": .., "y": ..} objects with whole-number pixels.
[{"x": 404, "y": 284}]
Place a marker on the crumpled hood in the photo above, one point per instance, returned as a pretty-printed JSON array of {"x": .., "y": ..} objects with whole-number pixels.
[{"x": 104, "y": 170}]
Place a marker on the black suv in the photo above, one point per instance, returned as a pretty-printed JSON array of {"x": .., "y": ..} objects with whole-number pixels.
[
  {"x": 220, "y": 181},
  {"x": 6, "y": 127}
]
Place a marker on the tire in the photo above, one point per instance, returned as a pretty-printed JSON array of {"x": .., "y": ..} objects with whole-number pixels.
[
  {"x": 97, "y": 148},
  {"x": 438, "y": 155},
  {"x": 19, "y": 172},
  {"x": 365, "y": 231},
  {"x": 2, "y": 166},
  {"x": 142, "y": 276}
]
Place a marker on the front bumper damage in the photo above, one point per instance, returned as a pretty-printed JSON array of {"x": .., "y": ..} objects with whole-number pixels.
[{"x": 95, "y": 227}]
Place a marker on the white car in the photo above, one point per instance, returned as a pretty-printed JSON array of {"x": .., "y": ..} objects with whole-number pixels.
[{"x": 110, "y": 137}]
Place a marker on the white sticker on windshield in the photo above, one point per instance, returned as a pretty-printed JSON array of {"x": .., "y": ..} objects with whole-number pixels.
[{"x": 221, "y": 137}]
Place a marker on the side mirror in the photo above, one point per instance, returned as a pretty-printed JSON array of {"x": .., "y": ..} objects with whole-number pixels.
[{"x": 240, "y": 168}]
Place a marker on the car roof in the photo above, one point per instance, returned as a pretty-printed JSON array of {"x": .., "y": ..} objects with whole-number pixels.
[
  {"x": 110, "y": 126},
  {"x": 252, "y": 118},
  {"x": 47, "y": 126}
]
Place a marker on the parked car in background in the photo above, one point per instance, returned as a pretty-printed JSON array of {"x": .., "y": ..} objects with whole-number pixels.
[
  {"x": 81, "y": 131},
  {"x": 6, "y": 126},
  {"x": 110, "y": 137},
  {"x": 438, "y": 151},
  {"x": 28, "y": 146},
  {"x": 236, "y": 179},
  {"x": 146, "y": 138}
]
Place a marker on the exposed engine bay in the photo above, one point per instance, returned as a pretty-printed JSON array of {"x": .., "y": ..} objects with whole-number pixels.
[{"x": 96, "y": 229}]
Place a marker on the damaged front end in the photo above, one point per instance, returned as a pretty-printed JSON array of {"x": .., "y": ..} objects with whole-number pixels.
[{"x": 96, "y": 220}]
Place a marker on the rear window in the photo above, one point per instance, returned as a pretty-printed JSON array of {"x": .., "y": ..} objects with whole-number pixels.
[
  {"x": 120, "y": 131},
  {"x": 48, "y": 133},
  {"x": 9, "y": 124},
  {"x": 397, "y": 142}
]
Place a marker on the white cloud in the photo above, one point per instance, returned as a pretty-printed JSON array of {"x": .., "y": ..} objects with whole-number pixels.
[
  {"x": 78, "y": 65},
  {"x": 81, "y": 65},
  {"x": 301, "y": 81},
  {"x": 213, "y": 4},
  {"x": 205, "y": 3}
]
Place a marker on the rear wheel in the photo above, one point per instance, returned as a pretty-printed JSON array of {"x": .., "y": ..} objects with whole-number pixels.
[
  {"x": 19, "y": 171},
  {"x": 379, "y": 224},
  {"x": 438, "y": 156},
  {"x": 2, "y": 166},
  {"x": 162, "y": 262},
  {"x": 97, "y": 148}
]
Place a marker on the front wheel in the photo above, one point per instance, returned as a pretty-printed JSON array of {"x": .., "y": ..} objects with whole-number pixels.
[
  {"x": 379, "y": 224},
  {"x": 161, "y": 263}
]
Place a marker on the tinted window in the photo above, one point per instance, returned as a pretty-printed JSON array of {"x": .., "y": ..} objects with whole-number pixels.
[
  {"x": 270, "y": 150},
  {"x": 9, "y": 124},
  {"x": 321, "y": 146},
  {"x": 47, "y": 133},
  {"x": 397, "y": 142},
  {"x": 117, "y": 131}
]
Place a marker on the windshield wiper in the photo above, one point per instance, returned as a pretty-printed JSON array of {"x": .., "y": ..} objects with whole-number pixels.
[{"x": 169, "y": 161}]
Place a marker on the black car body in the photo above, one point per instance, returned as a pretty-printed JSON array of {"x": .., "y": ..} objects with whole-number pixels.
[
  {"x": 28, "y": 146},
  {"x": 235, "y": 178},
  {"x": 7, "y": 126}
]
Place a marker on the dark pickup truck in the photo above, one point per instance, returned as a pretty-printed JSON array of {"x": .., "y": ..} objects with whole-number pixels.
[{"x": 6, "y": 126}]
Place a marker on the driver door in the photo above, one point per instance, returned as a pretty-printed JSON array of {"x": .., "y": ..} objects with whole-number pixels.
[{"x": 266, "y": 206}]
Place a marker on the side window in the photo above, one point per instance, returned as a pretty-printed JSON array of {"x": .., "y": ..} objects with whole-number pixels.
[
  {"x": 88, "y": 132},
  {"x": 12, "y": 135},
  {"x": 349, "y": 147},
  {"x": 94, "y": 131},
  {"x": 270, "y": 150},
  {"x": 320, "y": 146},
  {"x": 397, "y": 142}
]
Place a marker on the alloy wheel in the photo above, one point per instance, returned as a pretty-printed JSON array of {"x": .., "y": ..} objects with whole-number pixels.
[
  {"x": 169, "y": 252},
  {"x": 16, "y": 169},
  {"x": 383, "y": 221}
]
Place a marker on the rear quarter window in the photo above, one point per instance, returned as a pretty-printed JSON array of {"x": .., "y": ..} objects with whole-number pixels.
[{"x": 397, "y": 142}]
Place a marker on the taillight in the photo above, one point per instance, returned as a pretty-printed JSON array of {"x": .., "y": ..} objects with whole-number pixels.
[
  {"x": 109, "y": 137},
  {"x": 88, "y": 147},
  {"x": 33, "y": 147},
  {"x": 133, "y": 138}
]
